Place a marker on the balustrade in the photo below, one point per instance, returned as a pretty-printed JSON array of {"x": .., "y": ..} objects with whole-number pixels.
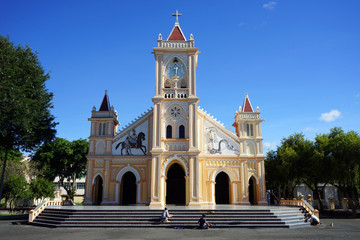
[
  {"x": 176, "y": 144},
  {"x": 35, "y": 212},
  {"x": 300, "y": 203},
  {"x": 175, "y": 44}
]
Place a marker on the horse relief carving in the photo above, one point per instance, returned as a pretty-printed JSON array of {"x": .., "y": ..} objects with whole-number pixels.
[{"x": 132, "y": 141}]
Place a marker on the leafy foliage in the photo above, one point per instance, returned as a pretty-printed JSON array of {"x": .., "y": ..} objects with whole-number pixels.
[
  {"x": 42, "y": 188},
  {"x": 332, "y": 158},
  {"x": 64, "y": 159},
  {"x": 16, "y": 188},
  {"x": 25, "y": 103}
]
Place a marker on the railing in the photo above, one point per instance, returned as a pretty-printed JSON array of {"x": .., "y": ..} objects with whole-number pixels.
[
  {"x": 300, "y": 203},
  {"x": 35, "y": 212},
  {"x": 176, "y": 44},
  {"x": 102, "y": 114},
  {"x": 175, "y": 93},
  {"x": 176, "y": 144},
  {"x": 255, "y": 115}
]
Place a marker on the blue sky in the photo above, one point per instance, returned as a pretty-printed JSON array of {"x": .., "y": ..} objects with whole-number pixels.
[{"x": 299, "y": 61}]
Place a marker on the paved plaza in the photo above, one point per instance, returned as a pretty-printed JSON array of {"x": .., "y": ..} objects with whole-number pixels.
[{"x": 342, "y": 228}]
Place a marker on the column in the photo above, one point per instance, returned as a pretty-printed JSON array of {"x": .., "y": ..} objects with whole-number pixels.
[
  {"x": 213, "y": 192},
  {"x": 157, "y": 126},
  {"x": 156, "y": 199},
  {"x": 106, "y": 181},
  {"x": 138, "y": 192},
  {"x": 262, "y": 183},
  {"x": 88, "y": 189},
  {"x": 158, "y": 74},
  {"x": 193, "y": 145},
  {"x": 193, "y": 75},
  {"x": 245, "y": 184},
  {"x": 236, "y": 186},
  {"x": 190, "y": 74},
  {"x": 194, "y": 181}
]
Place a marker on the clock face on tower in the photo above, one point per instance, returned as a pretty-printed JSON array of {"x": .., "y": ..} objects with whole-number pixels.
[{"x": 175, "y": 111}]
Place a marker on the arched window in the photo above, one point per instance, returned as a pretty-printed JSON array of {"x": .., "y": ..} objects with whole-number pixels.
[
  {"x": 249, "y": 130},
  {"x": 104, "y": 129},
  {"x": 169, "y": 131},
  {"x": 100, "y": 127},
  {"x": 181, "y": 131}
]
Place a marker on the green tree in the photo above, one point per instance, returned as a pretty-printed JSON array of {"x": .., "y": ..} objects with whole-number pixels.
[
  {"x": 25, "y": 103},
  {"x": 295, "y": 161},
  {"x": 277, "y": 175},
  {"x": 64, "y": 159},
  {"x": 343, "y": 151},
  {"x": 331, "y": 158},
  {"x": 16, "y": 188},
  {"x": 42, "y": 188}
]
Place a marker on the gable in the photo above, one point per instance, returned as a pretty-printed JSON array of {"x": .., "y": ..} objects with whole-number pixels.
[
  {"x": 134, "y": 139},
  {"x": 176, "y": 34},
  {"x": 217, "y": 139}
]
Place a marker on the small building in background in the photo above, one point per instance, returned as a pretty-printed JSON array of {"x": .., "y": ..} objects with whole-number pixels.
[{"x": 80, "y": 189}]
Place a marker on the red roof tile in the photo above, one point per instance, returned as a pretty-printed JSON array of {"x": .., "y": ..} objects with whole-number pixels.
[
  {"x": 176, "y": 35},
  {"x": 247, "y": 105}
]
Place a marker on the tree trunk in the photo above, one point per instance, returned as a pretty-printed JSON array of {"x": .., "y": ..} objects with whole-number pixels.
[
  {"x": 317, "y": 194},
  {"x": 69, "y": 190},
  {"x": 3, "y": 174},
  {"x": 352, "y": 204}
]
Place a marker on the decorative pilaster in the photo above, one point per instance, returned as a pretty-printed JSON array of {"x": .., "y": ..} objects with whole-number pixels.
[
  {"x": 156, "y": 195},
  {"x": 194, "y": 181}
]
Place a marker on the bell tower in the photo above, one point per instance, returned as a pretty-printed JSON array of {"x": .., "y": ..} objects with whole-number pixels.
[
  {"x": 175, "y": 89},
  {"x": 248, "y": 129},
  {"x": 175, "y": 103},
  {"x": 104, "y": 125}
]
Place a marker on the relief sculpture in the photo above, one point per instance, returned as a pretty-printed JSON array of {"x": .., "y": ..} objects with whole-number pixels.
[
  {"x": 132, "y": 141},
  {"x": 214, "y": 148}
]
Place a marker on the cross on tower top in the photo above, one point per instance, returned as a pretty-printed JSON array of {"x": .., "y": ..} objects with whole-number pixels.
[{"x": 177, "y": 14}]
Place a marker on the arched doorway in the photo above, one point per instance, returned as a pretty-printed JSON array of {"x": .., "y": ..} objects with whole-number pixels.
[
  {"x": 175, "y": 185},
  {"x": 128, "y": 189},
  {"x": 252, "y": 191},
  {"x": 98, "y": 190},
  {"x": 222, "y": 192}
]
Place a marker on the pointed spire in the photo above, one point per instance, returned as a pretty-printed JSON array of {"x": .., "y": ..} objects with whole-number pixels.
[
  {"x": 105, "y": 105},
  {"x": 247, "y": 105},
  {"x": 176, "y": 33}
]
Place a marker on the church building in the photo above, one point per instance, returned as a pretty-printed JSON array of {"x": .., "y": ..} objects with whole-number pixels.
[{"x": 175, "y": 153}]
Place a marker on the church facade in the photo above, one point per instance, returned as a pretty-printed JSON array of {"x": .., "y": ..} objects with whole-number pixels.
[{"x": 175, "y": 153}]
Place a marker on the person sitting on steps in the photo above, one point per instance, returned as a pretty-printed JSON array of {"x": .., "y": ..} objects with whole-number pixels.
[
  {"x": 313, "y": 219},
  {"x": 203, "y": 224},
  {"x": 165, "y": 216}
]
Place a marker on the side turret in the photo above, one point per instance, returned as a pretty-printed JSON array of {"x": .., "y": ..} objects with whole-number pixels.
[
  {"x": 104, "y": 125},
  {"x": 248, "y": 128}
]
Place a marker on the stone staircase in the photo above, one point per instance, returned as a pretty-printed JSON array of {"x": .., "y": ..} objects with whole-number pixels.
[{"x": 281, "y": 217}]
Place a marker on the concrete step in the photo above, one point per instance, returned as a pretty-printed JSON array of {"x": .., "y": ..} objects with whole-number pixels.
[{"x": 186, "y": 218}]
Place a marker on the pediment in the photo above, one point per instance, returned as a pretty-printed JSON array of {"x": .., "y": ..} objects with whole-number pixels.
[
  {"x": 218, "y": 139},
  {"x": 134, "y": 138}
]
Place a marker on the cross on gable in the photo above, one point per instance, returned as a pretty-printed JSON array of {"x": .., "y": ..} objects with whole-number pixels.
[{"x": 177, "y": 14}]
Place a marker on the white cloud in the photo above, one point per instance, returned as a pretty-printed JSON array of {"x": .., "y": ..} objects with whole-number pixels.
[
  {"x": 330, "y": 116},
  {"x": 357, "y": 95},
  {"x": 270, "y": 5},
  {"x": 270, "y": 145},
  {"x": 309, "y": 129},
  {"x": 241, "y": 24}
]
